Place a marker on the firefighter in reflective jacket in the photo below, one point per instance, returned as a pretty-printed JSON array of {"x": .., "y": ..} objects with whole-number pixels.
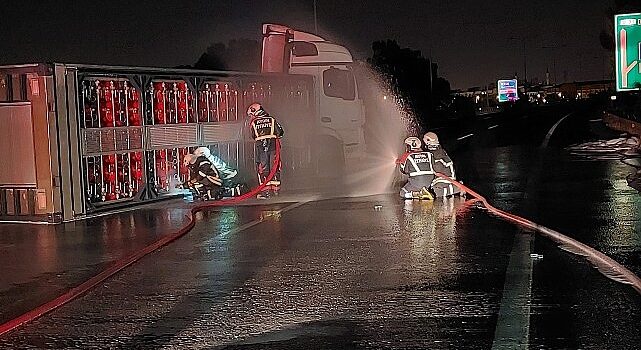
[
  {"x": 230, "y": 185},
  {"x": 204, "y": 179},
  {"x": 417, "y": 165},
  {"x": 442, "y": 163},
  {"x": 265, "y": 130}
]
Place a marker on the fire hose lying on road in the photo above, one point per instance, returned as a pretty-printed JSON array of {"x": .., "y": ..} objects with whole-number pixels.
[
  {"x": 130, "y": 259},
  {"x": 605, "y": 264}
]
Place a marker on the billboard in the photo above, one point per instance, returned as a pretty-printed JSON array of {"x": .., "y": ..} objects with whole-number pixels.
[
  {"x": 507, "y": 90},
  {"x": 627, "y": 34}
]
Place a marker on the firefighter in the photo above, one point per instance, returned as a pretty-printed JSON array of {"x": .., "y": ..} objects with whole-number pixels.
[
  {"x": 265, "y": 130},
  {"x": 204, "y": 179},
  {"x": 442, "y": 163},
  {"x": 417, "y": 164},
  {"x": 230, "y": 185}
]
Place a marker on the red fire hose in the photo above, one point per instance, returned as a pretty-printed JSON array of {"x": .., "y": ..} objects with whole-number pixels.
[
  {"x": 130, "y": 259},
  {"x": 606, "y": 265}
]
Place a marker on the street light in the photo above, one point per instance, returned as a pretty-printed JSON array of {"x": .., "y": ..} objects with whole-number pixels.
[{"x": 524, "y": 57}]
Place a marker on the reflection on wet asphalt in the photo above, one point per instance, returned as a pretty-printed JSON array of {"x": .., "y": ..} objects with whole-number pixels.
[
  {"x": 573, "y": 305},
  {"x": 39, "y": 262},
  {"x": 413, "y": 273},
  {"x": 341, "y": 274}
]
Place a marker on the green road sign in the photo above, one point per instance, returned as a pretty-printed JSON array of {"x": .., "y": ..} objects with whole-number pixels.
[{"x": 627, "y": 33}]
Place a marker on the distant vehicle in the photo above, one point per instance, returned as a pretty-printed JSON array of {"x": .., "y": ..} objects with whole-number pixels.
[{"x": 83, "y": 139}]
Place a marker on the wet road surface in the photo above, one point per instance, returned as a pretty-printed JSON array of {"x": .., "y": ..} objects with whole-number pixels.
[
  {"x": 415, "y": 274},
  {"x": 341, "y": 274},
  {"x": 39, "y": 262}
]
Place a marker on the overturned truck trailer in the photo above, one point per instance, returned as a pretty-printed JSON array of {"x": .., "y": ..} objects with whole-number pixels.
[{"x": 78, "y": 140}]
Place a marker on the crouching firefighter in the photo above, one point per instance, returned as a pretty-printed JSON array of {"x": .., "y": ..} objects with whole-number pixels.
[
  {"x": 204, "y": 180},
  {"x": 443, "y": 164},
  {"x": 416, "y": 164},
  {"x": 265, "y": 131},
  {"x": 230, "y": 185}
]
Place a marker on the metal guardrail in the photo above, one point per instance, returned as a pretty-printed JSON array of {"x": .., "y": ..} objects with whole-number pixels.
[{"x": 617, "y": 123}]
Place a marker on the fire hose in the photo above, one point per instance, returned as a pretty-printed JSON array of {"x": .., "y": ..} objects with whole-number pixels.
[
  {"x": 606, "y": 265},
  {"x": 126, "y": 261}
]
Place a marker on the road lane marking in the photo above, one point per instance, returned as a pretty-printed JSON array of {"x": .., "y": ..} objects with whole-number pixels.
[
  {"x": 549, "y": 135},
  {"x": 513, "y": 323},
  {"x": 464, "y": 137}
]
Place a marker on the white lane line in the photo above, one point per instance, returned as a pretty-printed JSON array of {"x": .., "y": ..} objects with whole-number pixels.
[
  {"x": 513, "y": 323},
  {"x": 464, "y": 137},
  {"x": 492, "y": 127},
  {"x": 596, "y": 120},
  {"x": 549, "y": 135}
]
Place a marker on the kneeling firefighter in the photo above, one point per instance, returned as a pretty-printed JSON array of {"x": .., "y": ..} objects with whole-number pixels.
[
  {"x": 204, "y": 180},
  {"x": 265, "y": 130},
  {"x": 230, "y": 185},
  {"x": 441, "y": 163},
  {"x": 416, "y": 164}
]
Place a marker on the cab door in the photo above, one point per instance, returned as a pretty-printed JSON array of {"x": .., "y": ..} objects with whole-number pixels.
[{"x": 340, "y": 108}]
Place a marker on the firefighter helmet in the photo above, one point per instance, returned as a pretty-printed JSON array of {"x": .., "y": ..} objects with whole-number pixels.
[
  {"x": 189, "y": 159},
  {"x": 202, "y": 151},
  {"x": 413, "y": 143},
  {"x": 255, "y": 110},
  {"x": 431, "y": 140}
]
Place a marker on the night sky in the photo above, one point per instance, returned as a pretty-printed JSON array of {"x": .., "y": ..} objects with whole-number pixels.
[{"x": 474, "y": 42}]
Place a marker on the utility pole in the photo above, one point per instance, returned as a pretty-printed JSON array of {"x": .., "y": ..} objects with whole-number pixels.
[
  {"x": 524, "y": 57},
  {"x": 524, "y": 62},
  {"x": 431, "y": 81},
  {"x": 554, "y": 51},
  {"x": 487, "y": 96},
  {"x": 315, "y": 20}
]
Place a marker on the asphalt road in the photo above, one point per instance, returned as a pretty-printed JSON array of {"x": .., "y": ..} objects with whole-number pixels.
[{"x": 374, "y": 272}]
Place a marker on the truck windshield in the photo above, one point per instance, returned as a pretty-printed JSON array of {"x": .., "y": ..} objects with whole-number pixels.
[{"x": 339, "y": 83}]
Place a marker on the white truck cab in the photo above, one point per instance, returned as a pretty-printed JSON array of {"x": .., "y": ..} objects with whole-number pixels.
[{"x": 340, "y": 111}]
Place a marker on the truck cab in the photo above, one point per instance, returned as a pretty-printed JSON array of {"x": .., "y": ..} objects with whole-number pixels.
[{"x": 339, "y": 109}]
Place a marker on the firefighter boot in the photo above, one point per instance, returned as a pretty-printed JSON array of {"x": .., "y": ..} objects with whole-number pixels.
[{"x": 425, "y": 195}]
